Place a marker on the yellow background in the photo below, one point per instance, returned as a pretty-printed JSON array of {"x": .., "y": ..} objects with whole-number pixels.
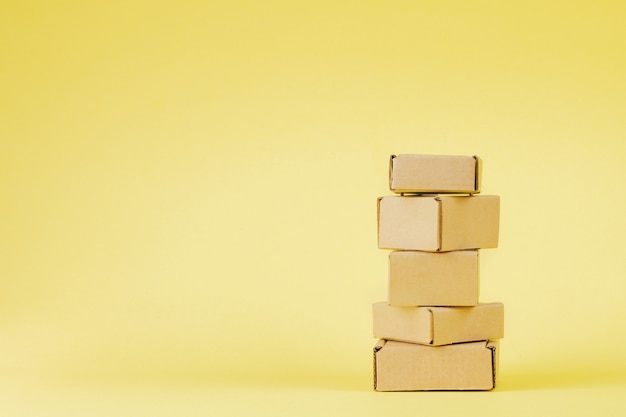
[{"x": 188, "y": 199}]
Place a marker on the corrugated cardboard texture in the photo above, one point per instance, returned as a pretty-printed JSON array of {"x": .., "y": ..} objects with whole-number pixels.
[
  {"x": 438, "y": 223},
  {"x": 410, "y": 367},
  {"x": 419, "y": 278},
  {"x": 438, "y": 325},
  {"x": 434, "y": 174}
]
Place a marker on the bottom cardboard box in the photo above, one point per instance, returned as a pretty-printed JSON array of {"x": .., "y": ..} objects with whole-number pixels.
[{"x": 400, "y": 366}]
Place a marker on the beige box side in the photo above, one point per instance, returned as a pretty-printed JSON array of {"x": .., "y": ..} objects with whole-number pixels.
[
  {"x": 419, "y": 278},
  {"x": 410, "y": 324},
  {"x": 402, "y": 366},
  {"x": 469, "y": 222},
  {"x": 463, "y": 324},
  {"x": 438, "y": 326},
  {"x": 408, "y": 223},
  {"x": 410, "y": 173}
]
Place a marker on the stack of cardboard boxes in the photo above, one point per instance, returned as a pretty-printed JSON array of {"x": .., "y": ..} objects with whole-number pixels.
[{"x": 434, "y": 334}]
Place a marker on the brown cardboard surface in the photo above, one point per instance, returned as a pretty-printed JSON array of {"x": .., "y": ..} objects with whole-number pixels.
[
  {"x": 438, "y": 223},
  {"x": 438, "y": 325},
  {"x": 402, "y": 366},
  {"x": 434, "y": 174},
  {"x": 419, "y": 278}
]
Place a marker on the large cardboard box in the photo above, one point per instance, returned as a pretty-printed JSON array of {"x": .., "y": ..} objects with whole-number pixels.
[
  {"x": 438, "y": 325},
  {"x": 402, "y": 366},
  {"x": 434, "y": 174},
  {"x": 419, "y": 278},
  {"x": 438, "y": 223}
]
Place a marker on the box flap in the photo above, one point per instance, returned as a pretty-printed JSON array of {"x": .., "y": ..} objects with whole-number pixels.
[
  {"x": 378, "y": 347},
  {"x": 478, "y": 175},
  {"x": 495, "y": 351},
  {"x": 439, "y": 223},
  {"x": 432, "y": 325},
  {"x": 391, "y": 171}
]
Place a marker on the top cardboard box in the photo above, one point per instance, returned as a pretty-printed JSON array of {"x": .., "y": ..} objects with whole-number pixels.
[{"x": 437, "y": 174}]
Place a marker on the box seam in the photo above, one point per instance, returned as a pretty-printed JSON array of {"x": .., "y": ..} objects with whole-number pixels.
[
  {"x": 391, "y": 172},
  {"x": 432, "y": 326},
  {"x": 477, "y": 174},
  {"x": 493, "y": 363}
]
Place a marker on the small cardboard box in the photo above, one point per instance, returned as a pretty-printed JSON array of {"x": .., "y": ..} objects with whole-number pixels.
[
  {"x": 438, "y": 325},
  {"x": 433, "y": 278},
  {"x": 438, "y": 223},
  {"x": 409, "y": 367},
  {"x": 434, "y": 174}
]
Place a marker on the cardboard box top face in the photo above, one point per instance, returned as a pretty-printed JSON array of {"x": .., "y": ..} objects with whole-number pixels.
[
  {"x": 410, "y": 173},
  {"x": 400, "y": 366},
  {"x": 438, "y": 222}
]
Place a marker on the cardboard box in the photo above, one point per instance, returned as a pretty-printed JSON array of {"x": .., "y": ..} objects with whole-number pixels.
[
  {"x": 409, "y": 367},
  {"x": 433, "y": 278},
  {"x": 434, "y": 174},
  {"x": 438, "y": 325},
  {"x": 438, "y": 223}
]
